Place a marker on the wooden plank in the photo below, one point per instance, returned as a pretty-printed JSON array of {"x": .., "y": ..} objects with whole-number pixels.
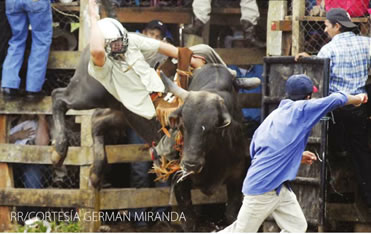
[
  {"x": 6, "y": 178},
  {"x": 276, "y": 11},
  {"x": 109, "y": 198},
  {"x": 127, "y": 153},
  {"x": 225, "y": 20},
  {"x": 152, "y": 197},
  {"x": 42, "y": 107},
  {"x": 241, "y": 56},
  {"x": 69, "y": 59},
  {"x": 322, "y": 19},
  {"x": 46, "y": 197},
  {"x": 298, "y": 11},
  {"x": 146, "y": 14},
  {"x": 281, "y": 25},
  {"x": 63, "y": 59},
  {"x": 237, "y": 56},
  {"x": 33, "y": 154},
  {"x": 362, "y": 227}
]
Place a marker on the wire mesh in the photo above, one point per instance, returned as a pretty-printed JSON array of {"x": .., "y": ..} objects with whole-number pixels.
[
  {"x": 45, "y": 176},
  {"x": 313, "y": 22}
]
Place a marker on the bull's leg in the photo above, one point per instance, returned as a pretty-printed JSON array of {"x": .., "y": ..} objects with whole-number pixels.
[
  {"x": 234, "y": 194},
  {"x": 59, "y": 111},
  {"x": 103, "y": 121},
  {"x": 183, "y": 197},
  {"x": 234, "y": 201}
]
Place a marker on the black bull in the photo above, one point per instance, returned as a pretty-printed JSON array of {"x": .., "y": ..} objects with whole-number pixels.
[{"x": 214, "y": 146}]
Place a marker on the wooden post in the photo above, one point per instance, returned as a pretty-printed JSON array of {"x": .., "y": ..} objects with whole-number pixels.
[
  {"x": 298, "y": 12},
  {"x": 6, "y": 179},
  {"x": 84, "y": 25},
  {"x": 89, "y": 222},
  {"x": 275, "y": 42}
]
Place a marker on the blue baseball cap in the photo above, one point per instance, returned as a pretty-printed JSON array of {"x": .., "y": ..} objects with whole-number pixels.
[{"x": 299, "y": 86}]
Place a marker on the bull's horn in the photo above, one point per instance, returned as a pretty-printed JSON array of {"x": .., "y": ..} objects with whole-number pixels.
[
  {"x": 226, "y": 117},
  {"x": 247, "y": 83},
  {"x": 173, "y": 88}
]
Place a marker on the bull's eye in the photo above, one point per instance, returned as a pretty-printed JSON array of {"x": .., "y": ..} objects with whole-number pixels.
[{"x": 203, "y": 128}]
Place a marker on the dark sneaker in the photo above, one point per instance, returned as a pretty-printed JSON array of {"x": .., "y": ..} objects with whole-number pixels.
[
  {"x": 195, "y": 28},
  {"x": 34, "y": 96},
  {"x": 10, "y": 94},
  {"x": 250, "y": 35}
]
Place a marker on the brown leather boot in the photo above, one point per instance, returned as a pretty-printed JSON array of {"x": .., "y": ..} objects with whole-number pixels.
[
  {"x": 250, "y": 34},
  {"x": 195, "y": 28}
]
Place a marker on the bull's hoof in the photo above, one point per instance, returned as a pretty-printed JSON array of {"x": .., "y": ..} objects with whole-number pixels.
[
  {"x": 57, "y": 159},
  {"x": 94, "y": 180}
]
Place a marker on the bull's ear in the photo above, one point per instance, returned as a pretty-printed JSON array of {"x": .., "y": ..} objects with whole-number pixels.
[{"x": 174, "y": 117}]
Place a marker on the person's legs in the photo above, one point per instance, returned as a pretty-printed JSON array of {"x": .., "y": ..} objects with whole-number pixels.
[
  {"x": 202, "y": 10},
  {"x": 288, "y": 214},
  {"x": 32, "y": 175},
  {"x": 254, "y": 210},
  {"x": 139, "y": 177},
  {"x": 356, "y": 126},
  {"x": 13, "y": 62},
  {"x": 249, "y": 20},
  {"x": 40, "y": 17},
  {"x": 249, "y": 11}
]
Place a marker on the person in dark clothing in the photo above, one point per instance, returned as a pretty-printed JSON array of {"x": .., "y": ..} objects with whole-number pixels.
[{"x": 350, "y": 60}]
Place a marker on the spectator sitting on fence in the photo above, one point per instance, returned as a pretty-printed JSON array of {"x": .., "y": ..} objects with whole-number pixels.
[
  {"x": 30, "y": 130},
  {"x": 249, "y": 19},
  {"x": 349, "y": 56},
  {"x": 277, "y": 149},
  {"x": 22, "y": 14}
]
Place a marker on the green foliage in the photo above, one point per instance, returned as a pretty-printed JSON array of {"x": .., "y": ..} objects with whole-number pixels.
[{"x": 40, "y": 227}]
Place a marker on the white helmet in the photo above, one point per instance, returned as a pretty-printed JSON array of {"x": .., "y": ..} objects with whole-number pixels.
[{"x": 116, "y": 37}]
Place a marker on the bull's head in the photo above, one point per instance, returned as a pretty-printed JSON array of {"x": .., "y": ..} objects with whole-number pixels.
[{"x": 201, "y": 118}]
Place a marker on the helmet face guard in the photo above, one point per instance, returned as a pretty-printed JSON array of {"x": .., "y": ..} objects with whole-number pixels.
[{"x": 117, "y": 48}]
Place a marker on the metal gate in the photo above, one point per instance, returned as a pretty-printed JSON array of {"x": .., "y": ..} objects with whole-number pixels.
[{"x": 310, "y": 183}]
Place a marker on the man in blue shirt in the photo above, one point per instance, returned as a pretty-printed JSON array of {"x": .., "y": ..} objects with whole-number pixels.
[
  {"x": 276, "y": 150},
  {"x": 350, "y": 60}
]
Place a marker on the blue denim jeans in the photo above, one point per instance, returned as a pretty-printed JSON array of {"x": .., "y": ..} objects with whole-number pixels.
[
  {"x": 33, "y": 175},
  {"x": 21, "y": 14}
]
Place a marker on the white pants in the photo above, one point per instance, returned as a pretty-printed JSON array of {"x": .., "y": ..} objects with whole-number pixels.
[
  {"x": 284, "y": 208},
  {"x": 249, "y": 10}
]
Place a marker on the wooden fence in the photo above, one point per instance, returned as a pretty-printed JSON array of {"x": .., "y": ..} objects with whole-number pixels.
[{"x": 86, "y": 198}]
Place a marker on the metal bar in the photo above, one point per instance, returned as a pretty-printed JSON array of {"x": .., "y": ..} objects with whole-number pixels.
[{"x": 306, "y": 181}]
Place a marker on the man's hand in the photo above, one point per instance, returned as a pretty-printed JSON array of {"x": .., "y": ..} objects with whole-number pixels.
[
  {"x": 21, "y": 134},
  {"x": 308, "y": 158},
  {"x": 301, "y": 55},
  {"x": 363, "y": 98}
]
